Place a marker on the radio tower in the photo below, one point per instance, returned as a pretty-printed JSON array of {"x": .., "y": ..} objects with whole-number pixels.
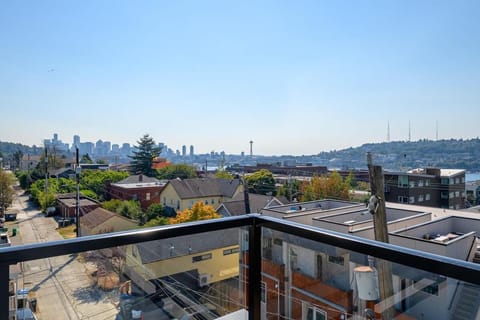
[
  {"x": 251, "y": 148},
  {"x": 388, "y": 131},
  {"x": 409, "y": 132}
]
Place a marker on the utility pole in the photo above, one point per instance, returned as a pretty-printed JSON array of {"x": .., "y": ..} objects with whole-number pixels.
[
  {"x": 77, "y": 202},
  {"x": 377, "y": 208},
  {"x": 246, "y": 197}
]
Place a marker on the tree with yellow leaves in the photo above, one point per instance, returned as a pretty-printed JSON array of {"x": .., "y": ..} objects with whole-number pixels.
[
  {"x": 199, "y": 211},
  {"x": 331, "y": 186}
]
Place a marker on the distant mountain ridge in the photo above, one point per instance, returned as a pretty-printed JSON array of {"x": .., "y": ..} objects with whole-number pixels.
[
  {"x": 395, "y": 155},
  {"x": 401, "y": 155}
]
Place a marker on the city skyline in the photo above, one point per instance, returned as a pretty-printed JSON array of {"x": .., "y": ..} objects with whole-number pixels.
[{"x": 294, "y": 78}]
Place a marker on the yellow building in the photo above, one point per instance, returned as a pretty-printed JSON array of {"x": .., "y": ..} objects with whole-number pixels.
[
  {"x": 202, "y": 258},
  {"x": 181, "y": 194}
]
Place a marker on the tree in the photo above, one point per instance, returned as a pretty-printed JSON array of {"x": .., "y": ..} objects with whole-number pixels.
[
  {"x": 199, "y": 211},
  {"x": 330, "y": 186},
  {"x": 290, "y": 190},
  {"x": 86, "y": 159},
  {"x": 154, "y": 211},
  {"x": 143, "y": 156},
  {"x": 261, "y": 182},
  {"x": 6, "y": 190},
  {"x": 223, "y": 174},
  {"x": 182, "y": 171},
  {"x": 127, "y": 208},
  {"x": 95, "y": 180}
]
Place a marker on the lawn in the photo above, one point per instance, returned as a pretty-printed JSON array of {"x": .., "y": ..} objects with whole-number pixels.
[{"x": 68, "y": 232}]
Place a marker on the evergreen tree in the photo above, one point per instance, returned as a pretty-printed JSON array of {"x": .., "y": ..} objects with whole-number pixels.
[{"x": 143, "y": 156}]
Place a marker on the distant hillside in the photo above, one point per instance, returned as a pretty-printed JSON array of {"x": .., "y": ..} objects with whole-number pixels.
[
  {"x": 460, "y": 154},
  {"x": 8, "y": 148}
]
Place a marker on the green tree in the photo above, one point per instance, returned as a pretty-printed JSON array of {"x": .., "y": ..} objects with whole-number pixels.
[
  {"x": 223, "y": 174},
  {"x": 199, "y": 211},
  {"x": 158, "y": 221},
  {"x": 182, "y": 171},
  {"x": 155, "y": 210},
  {"x": 290, "y": 190},
  {"x": 95, "y": 180},
  {"x": 143, "y": 156},
  {"x": 6, "y": 190},
  {"x": 261, "y": 182},
  {"x": 86, "y": 159},
  {"x": 127, "y": 208}
]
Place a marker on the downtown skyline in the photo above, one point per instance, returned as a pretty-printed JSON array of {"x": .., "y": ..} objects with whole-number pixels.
[{"x": 295, "y": 78}]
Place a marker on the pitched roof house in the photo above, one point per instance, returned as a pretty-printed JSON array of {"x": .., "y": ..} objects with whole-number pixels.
[
  {"x": 183, "y": 194},
  {"x": 103, "y": 221},
  {"x": 257, "y": 202}
]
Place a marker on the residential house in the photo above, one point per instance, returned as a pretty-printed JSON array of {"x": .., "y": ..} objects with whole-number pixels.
[
  {"x": 146, "y": 190},
  {"x": 100, "y": 221},
  {"x": 433, "y": 187},
  {"x": 473, "y": 192},
  {"x": 67, "y": 205},
  {"x": 257, "y": 202},
  {"x": 181, "y": 194},
  {"x": 187, "y": 267}
]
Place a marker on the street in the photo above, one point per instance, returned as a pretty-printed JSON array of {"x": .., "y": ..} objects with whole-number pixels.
[{"x": 62, "y": 285}]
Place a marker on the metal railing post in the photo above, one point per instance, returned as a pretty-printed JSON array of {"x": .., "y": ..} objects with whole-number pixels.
[
  {"x": 254, "y": 271},
  {"x": 4, "y": 291}
]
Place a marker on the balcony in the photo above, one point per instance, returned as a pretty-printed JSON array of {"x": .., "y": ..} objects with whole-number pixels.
[{"x": 246, "y": 267}]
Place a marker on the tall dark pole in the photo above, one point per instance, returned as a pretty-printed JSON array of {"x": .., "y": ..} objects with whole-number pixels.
[
  {"x": 77, "y": 204},
  {"x": 378, "y": 211}
]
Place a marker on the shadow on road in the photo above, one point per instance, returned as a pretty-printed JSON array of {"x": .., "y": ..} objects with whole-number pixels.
[{"x": 54, "y": 272}]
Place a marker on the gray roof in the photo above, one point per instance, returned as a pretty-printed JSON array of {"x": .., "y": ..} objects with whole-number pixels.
[
  {"x": 257, "y": 203},
  {"x": 137, "y": 178},
  {"x": 204, "y": 187},
  {"x": 186, "y": 245}
]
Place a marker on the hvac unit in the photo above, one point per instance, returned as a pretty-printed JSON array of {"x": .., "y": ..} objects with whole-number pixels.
[{"x": 203, "y": 279}]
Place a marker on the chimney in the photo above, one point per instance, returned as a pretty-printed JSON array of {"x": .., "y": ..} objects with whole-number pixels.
[{"x": 140, "y": 177}]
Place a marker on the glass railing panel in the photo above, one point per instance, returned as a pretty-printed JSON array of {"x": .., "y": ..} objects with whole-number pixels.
[
  {"x": 303, "y": 279},
  {"x": 188, "y": 277}
]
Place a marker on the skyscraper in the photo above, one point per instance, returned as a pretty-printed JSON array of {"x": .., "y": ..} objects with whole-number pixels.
[
  {"x": 184, "y": 151},
  {"x": 191, "y": 151}
]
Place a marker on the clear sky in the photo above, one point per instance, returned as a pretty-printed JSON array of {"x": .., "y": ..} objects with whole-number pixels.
[{"x": 296, "y": 77}]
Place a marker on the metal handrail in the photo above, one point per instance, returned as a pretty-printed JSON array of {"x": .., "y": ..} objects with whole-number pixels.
[{"x": 461, "y": 270}]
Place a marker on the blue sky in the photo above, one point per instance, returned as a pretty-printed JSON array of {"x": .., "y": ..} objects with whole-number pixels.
[{"x": 296, "y": 77}]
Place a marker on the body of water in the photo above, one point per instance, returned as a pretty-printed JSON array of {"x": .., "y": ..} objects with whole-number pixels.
[{"x": 474, "y": 176}]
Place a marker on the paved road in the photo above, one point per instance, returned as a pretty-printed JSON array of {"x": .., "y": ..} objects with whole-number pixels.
[{"x": 63, "y": 287}]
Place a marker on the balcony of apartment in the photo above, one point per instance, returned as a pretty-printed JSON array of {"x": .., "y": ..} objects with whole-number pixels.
[{"x": 245, "y": 267}]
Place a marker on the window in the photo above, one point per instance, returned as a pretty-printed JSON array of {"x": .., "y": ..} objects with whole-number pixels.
[
  {"x": 203, "y": 257},
  {"x": 336, "y": 259},
  {"x": 226, "y": 252},
  {"x": 420, "y": 198},
  {"x": 427, "y": 182},
  {"x": 402, "y": 181},
  {"x": 420, "y": 183},
  {"x": 452, "y": 181},
  {"x": 164, "y": 201},
  {"x": 444, "y": 181},
  {"x": 451, "y": 195},
  {"x": 412, "y": 184},
  {"x": 457, "y": 194},
  {"x": 212, "y": 201},
  {"x": 411, "y": 200},
  {"x": 147, "y": 196},
  {"x": 444, "y": 195},
  {"x": 263, "y": 295},
  {"x": 427, "y": 197},
  {"x": 457, "y": 180},
  {"x": 310, "y": 312},
  {"x": 134, "y": 197},
  {"x": 402, "y": 199},
  {"x": 463, "y": 179}
]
